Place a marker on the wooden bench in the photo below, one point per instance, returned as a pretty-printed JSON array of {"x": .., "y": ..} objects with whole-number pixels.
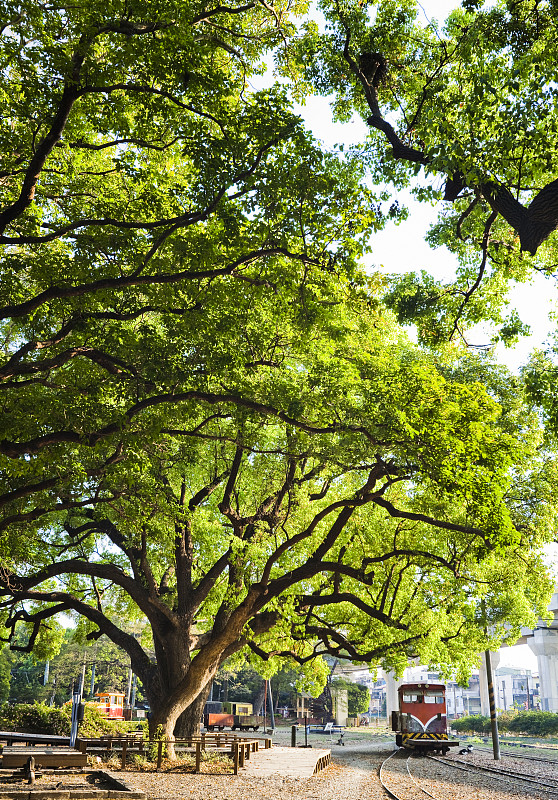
[
  {"x": 45, "y": 757},
  {"x": 237, "y": 747}
]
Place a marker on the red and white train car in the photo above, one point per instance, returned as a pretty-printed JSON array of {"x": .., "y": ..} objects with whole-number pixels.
[
  {"x": 421, "y": 721},
  {"x": 111, "y": 704}
]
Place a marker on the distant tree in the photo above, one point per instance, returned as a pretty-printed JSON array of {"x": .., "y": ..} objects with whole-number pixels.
[
  {"x": 5, "y": 674},
  {"x": 358, "y": 695},
  {"x": 66, "y": 668},
  {"x": 26, "y": 685}
]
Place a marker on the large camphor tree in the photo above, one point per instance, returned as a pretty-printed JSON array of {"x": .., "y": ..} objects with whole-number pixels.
[{"x": 210, "y": 423}]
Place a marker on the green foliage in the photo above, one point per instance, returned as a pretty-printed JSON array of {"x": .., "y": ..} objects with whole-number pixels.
[
  {"x": 5, "y": 675},
  {"x": 463, "y": 109},
  {"x": 358, "y": 696},
  {"x": 156, "y": 737},
  {"x": 41, "y": 718},
  {"x": 96, "y": 724},
  {"x": 35, "y": 718},
  {"x": 527, "y": 723},
  {"x": 65, "y": 668},
  {"x": 534, "y": 723},
  {"x": 475, "y": 723}
]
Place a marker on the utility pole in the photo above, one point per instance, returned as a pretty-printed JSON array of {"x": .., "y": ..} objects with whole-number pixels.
[
  {"x": 492, "y": 703},
  {"x": 92, "y": 684},
  {"x": 82, "y": 680},
  {"x": 52, "y": 696},
  {"x": 265, "y": 705},
  {"x": 272, "y": 715},
  {"x": 93, "y": 670},
  {"x": 129, "y": 689}
]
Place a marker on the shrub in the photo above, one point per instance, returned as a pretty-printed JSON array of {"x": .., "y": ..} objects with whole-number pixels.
[
  {"x": 96, "y": 724},
  {"x": 40, "y": 718},
  {"x": 505, "y": 719},
  {"x": 476, "y": 723},
  {"x": 535, "y": 723},
  {"x": 35, "y": 718}
]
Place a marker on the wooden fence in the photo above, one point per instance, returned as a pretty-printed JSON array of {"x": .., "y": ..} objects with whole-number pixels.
[{"x": 236, "y": 747}]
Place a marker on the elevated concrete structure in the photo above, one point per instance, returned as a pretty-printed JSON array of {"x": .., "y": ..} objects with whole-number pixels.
[
  {"x": 543, "y": 642},
  {"x": 392, "y": 700}
]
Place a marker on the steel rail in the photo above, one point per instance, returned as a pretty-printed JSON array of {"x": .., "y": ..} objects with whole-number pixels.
[
  {"x": 389, "y": 791},
  {"x": 498, "y": 774},
  {"x": 513, "y": 754},
  {"x": 417, "y": 784},
  {"x": 382, "y": 782},
  {"x": 513, "y": 744},
  {"x": 512, "y": 771}
]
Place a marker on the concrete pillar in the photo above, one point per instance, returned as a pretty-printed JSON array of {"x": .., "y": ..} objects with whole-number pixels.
[
  {"x": 483, "y": 683},
  {"x": 392, "y": 700},
  {"x": 544, "y": 644},
  {"x": 340, "y": 705}
]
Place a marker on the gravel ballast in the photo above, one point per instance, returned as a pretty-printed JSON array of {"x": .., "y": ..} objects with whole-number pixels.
[{"x": 353, "y": 775}]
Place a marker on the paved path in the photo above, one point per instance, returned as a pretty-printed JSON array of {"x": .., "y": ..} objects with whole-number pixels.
[{"x": 286, "y": 762}]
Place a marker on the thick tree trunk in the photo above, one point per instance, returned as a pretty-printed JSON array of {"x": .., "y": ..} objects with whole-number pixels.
[
  {"x": 177, "y": 698},
  {"x": 188, "y": 723},
  {"x": 179, "y": 685}
]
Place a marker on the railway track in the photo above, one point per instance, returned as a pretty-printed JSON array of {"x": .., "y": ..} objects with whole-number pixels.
[
  {"x": 503, "y": 743},
  {"x": 398, "y": 781},
  {"x": 513, "y": 754},
  {"x": 548, "y": 786},
  {"x": 400, "y": 784}
]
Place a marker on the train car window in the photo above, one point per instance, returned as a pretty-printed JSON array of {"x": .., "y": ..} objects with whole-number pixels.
[
  {"x": 412, "y": 698},
  {"x": 435, "y": 699}
]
